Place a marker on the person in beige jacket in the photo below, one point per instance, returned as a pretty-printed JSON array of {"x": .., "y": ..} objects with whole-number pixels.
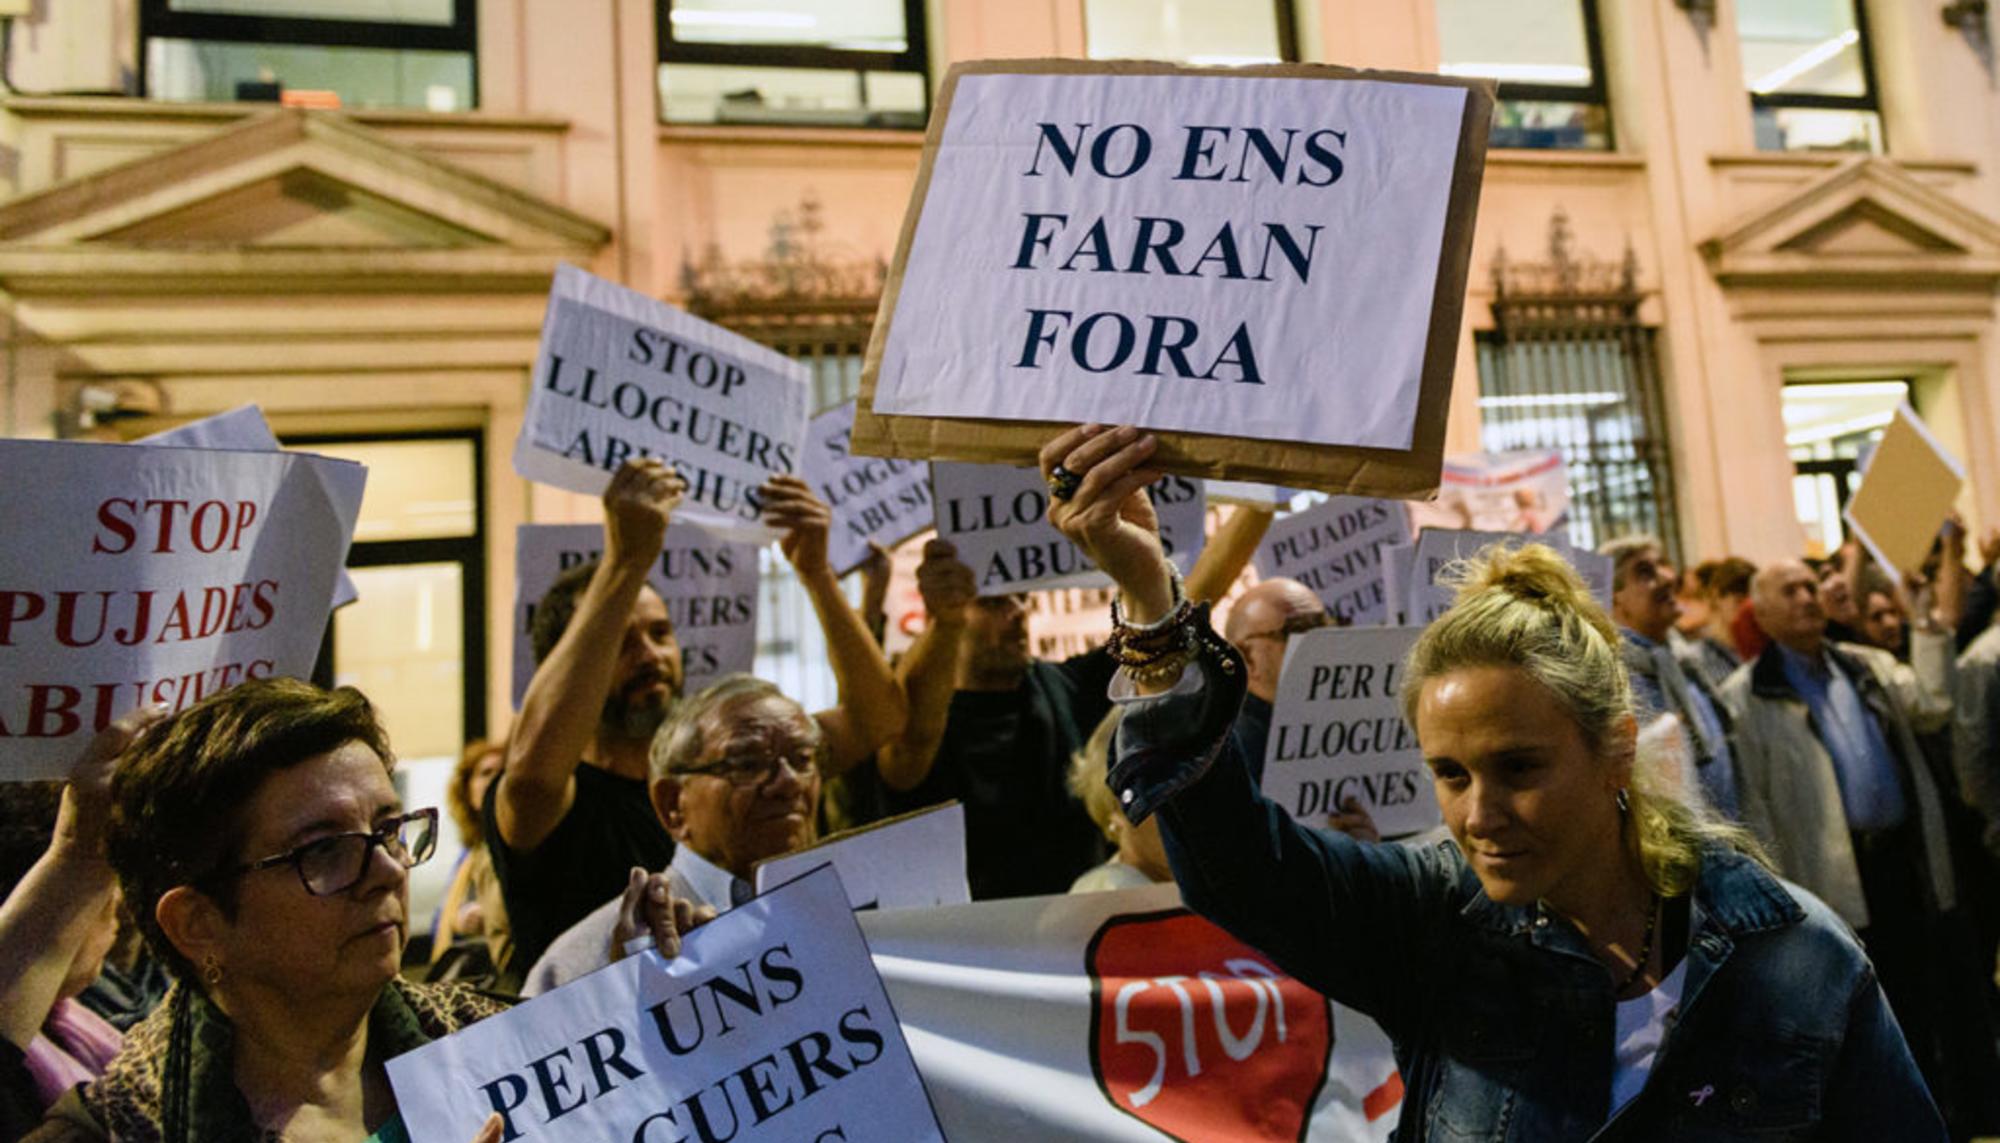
[{"x": 1835, "y": 782}]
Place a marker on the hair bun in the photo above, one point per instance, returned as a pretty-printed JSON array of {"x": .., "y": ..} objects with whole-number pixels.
[{"x": 1532, "y": 573}]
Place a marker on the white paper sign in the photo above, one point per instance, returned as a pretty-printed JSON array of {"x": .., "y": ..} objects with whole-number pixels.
[
  {"x": 1438, "y": 548},
  {"x": 708, "y": 583},
  {"x": 908, "y": 862},
  {"x": 1337, "y": 731},
  {"x": 245, "y": 429},
  {"x": 1334, "y": 548},
  {"x": 135, "y": 575},
  {"x": 1249, "y": 256},
  {"x": 1397, "y": 562},
  {"x": 620, "y": 375},
  {"x": 872, "y": 498},
  {"x": 772, "y": 1022},
  {"x": 1069, "y": 621},
  {"x": 997, "y": 515},
  {"x": 1252, "y": 494}
]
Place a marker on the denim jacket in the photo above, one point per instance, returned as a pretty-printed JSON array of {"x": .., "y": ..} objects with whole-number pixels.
[{"x": 1502, "y": 1018}]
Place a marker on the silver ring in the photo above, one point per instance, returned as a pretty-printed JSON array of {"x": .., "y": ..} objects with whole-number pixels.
[
  {"x": 640, "y": 944},
  {"x": 1063, "y": 483}
]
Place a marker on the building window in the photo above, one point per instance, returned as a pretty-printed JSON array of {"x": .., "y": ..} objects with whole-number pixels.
[
  {"x": 1830, "y": 428},
  {"x": 1549, "y": 61},
  {"x": 1569, "y": 366},
  {"x": 1811, "y": 81},
  {"x": 836, "y": 63},
  {"x": 1214, "y": 33},
  {"x": 316, "y": 53}
]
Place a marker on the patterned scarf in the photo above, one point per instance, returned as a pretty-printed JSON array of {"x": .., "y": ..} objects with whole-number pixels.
[{"x": 175, "y": 1083}]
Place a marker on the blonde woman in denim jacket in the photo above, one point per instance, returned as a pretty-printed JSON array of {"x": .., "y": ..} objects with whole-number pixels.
[{"x": 1589, "y": 958}]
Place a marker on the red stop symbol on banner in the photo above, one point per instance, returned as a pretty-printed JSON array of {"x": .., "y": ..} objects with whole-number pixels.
[{"x": 1200, "y": 1036}]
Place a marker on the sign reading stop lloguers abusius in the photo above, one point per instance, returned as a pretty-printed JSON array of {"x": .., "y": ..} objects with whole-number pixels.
[
  {"x": 134, "y": 576},
  {"x": 871, "y": 497},
  {"x": 1268, "y": 263},
  {"x": 621, "y": 376}
]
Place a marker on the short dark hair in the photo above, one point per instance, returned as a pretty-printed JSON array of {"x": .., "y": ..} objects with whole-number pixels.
[
  {"x": 1730, "y": 575},
  {"x": 177, "y": 796},
  {"x": 27, "y": 825},
  {"x": 557, "y": 607}
]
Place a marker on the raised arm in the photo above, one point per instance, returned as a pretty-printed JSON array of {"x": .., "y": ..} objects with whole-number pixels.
[
  {"x": 1228, "y": 552},
  {"x": 929, "y": 671},
  {"x": 871, "y": 708},
  {"x": 46, "y": 920},
  {"x": 560, "y": 712}
]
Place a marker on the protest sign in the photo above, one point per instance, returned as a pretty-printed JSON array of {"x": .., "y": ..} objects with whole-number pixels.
[
  {"x": 1266, "y": 263},
  {"x": 1905, "y": 496},
  {"x": 620, "y": 375},
  {"x": 906, "y": 862},
  {"x": 136, "y": 575},
  {"x": 997, "y": 516},
  {"x": 1069, "y": 621},
  {"x": 772, "y": 1020},
  {"x": 1334, "y": 548},
  {"x": 1438, "y": 548},
  {"x": 1250, "y": 494},
  {"x": 1122, "y": 1016},
  {"x": 1337, "y": 731},
  {"x": 1523, "y": 491},
  {"x": 708, "y": 583},
  {"x": 1398, "y": 561},
  {"x": 872, "y": 498},
  {"x": 244, "y": 429}
]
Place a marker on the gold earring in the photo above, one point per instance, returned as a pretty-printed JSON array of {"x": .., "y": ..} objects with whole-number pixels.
[{"x": 211, "y": 971}]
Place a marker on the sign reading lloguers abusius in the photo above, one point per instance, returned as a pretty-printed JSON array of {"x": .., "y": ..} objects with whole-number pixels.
[
  {"x": 708, "y": 583},
  {"x": 997, "y": 516},
  {"x": 1266, "y": 263},
  {"x": 771, "y": 1027},
  {"x": 135, "y": 576},
  {"x": 620, "y": 375},
  {"x": 871, "y": 497}
]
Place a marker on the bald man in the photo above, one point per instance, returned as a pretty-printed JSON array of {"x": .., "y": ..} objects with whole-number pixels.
[
  {"x": 1260, "y": 626},
  {"x": 1835, "y": 782}
]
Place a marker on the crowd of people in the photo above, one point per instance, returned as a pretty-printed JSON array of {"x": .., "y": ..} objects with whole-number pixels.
[{"x": 206, "y": 935}]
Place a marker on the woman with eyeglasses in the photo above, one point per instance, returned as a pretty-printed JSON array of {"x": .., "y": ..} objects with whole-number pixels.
[{"x": 262, "y": 846}]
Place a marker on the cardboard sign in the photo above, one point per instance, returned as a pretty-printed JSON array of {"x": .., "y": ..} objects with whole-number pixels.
[
  {"x": 620, "y": 375},
  {"x": 136, "y": 575},
  {"x": 997, "y": 516},
  {"x": 1337, "y": 731},
  {"x": 772, "y": 1020},
  {"x": 245, "y": 429},
  {"x": 1907, "y": 493},
  {"x": 1266, "y": 263},
  {"x": 911, "y": 861},
  {"x": 1334, "y": 548},
  {"x": 1524, "y": 491},
  {"x": 708, "y": 582},
  {"x": 872, "y": 498}
]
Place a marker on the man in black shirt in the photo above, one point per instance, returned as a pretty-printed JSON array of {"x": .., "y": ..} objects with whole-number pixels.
[{"x": 570, "y": 814}]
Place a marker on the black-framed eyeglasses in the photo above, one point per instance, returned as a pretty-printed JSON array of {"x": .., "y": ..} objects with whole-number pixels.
[
  {"x": 334, "y": 864},
  {"x": 755, "y": 771}
]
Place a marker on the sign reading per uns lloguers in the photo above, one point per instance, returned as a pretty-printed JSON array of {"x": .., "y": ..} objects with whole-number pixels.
[{"x": 1270, "y": 255}]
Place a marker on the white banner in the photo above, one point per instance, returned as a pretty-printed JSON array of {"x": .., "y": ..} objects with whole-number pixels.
[
  {"x": 772, "y": 1022},
  {"x": 907, "y": 862},
  {"x": 620, "y": 375},
  {"x": 244, "y": 429},
  {"x": 1334, "y": 548},
  {"x": 708, "y": 583},
  {"x": 135, "y": 575},
  {"x": 1122, "y": 1016},
  {"x": 1251, "y": 256},
  {"x": 997, "y": 515},
  {"x": 872, "y": 498},
  {"x": 1337, "y": 731},
  {"x": 1523, "y": 491}
]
